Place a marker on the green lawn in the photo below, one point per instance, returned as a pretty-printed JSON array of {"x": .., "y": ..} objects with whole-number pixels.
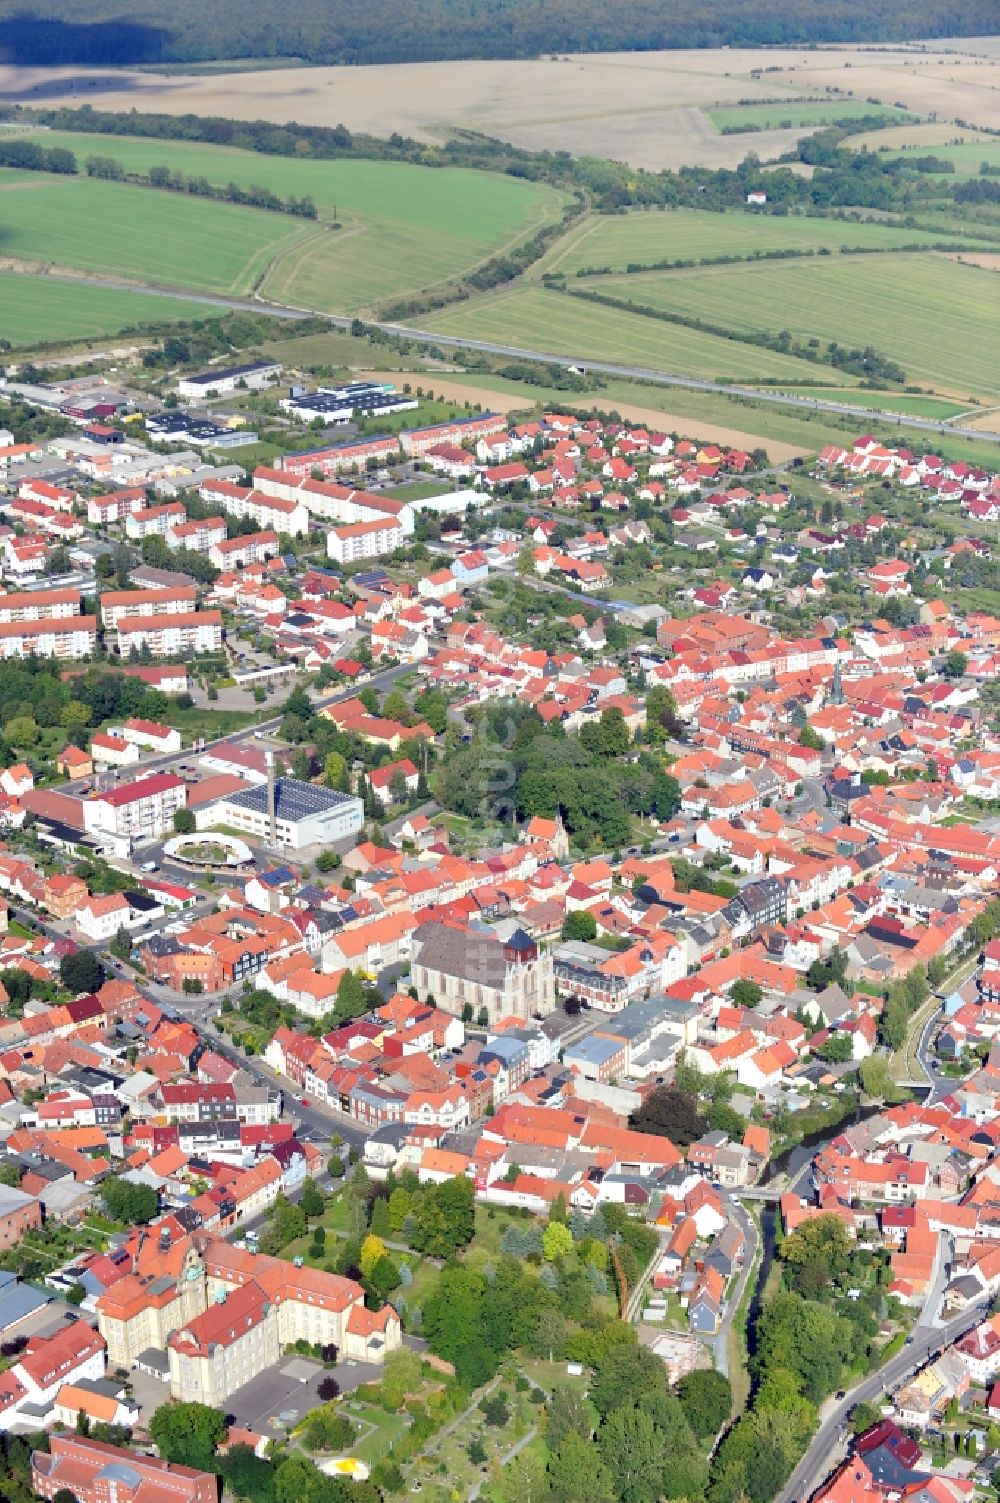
[
  {"x": 647, "y": 236},
  {"x": 38, "y": 310},
  {"x": 210, "y": 722},
  {"x": 939, "y": 319},
  {"x": 404, "y": 227},
  {"x": 531, "y": 318},
  {"x": 791, "y": 113},
  {"x": 122, "y": 230}
]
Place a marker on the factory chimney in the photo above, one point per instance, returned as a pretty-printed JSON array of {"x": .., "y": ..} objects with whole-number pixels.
[{"x": 272, "y": 823}]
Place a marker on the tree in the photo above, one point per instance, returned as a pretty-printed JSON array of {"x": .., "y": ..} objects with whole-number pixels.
[
  {"x": 863, "y": 1416},
  {"x": 661, "y": 715},
  {"x": 372, "y": 1248},
  {"x": 81, "y": 972},
  {"x": 21, "y": 731},
  {"x": 579, "y": 925},
  {"x": 328, "y": 1389},
  {"x": 476, "y": 1451},
  {"x": 892, "y": 1023},
  {"x": 876, "y": 1078},
  {"x": 669, "y": 1113},
  {"x": 525, "y": 1480},
  {"x": 706, "y": 1398},
  {"x": 955, "y": 664},
  {"x": 247, "y": 1475},
  {"x": 557, "y": 1241},
  {"x": 746, "y": 993},
  {"x": 335, "y": 772},
  {"x": 311, "y": 1200},
  {"x": 567, "y": 1414},
  {"x": 351, "y": 999},
  {"x": 811, "y": 739},
  {"x": 838, "y": 1048},
  {"x": 445, "y": 1218},
  {"x": 188, "y": 1433},
  {"x": 184, "y": 822},
  {"x": 326, "y": 1429},
  {"x": 624, "y": 1370},
  {"x": 394, "y": 706},
  {"x": 131, "y": 1203},
  {"x": 577, "y": 1474}
]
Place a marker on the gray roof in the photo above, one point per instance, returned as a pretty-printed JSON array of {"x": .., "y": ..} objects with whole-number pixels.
[
  {"x": 472, "y": 955},
  {"x": 18, "y": 1301}
]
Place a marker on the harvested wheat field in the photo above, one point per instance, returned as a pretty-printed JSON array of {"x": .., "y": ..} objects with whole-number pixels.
[{"x": 646, "y": 108}]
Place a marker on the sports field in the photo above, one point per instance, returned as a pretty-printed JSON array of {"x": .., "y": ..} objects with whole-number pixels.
[
  {"x": 36, "y": 310},
  {"x": 531, "y": 318},
  {"x": 404, "y": 227},
  {"x": 114, "y": 228},
  {"x": 939, "y": 319},
  {"x": 646, "y": 236},
  {"x": 789, "y": 112}
]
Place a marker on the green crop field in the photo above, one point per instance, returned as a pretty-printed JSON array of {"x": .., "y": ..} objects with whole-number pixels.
[
  {"x": 534, "y": 319},
  {"x": 39, "y": 310},
  {"x": 644, "y": 237},
  {"x": 939, "y": 319},
  {"x": 405, "y": 227},
  {"x": 141, "y": 233},
  {"x": 967, "y": 157},
  {"x": 887, "y": 401},
  {"x": 792, "y": 113}
]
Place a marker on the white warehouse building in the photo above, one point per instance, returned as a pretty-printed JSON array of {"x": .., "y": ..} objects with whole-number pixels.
[{"x": 303, "y": 814}]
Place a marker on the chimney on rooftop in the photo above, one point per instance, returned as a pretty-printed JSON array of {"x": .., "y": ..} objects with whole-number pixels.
[{"x": 272, "y": 823}]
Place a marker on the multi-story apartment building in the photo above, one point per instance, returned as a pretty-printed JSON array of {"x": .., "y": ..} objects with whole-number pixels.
[
  {"x": 371, "y": 539},
  {"x": 278, "y": 512},
  {"x": 66, "y": 637},
  {"x": 39, "y": 605},
  {"x": 135, "y": 811},
  {"x": 236, "y": 553},
  {"x": 116, "y": 505},
  {"x": 125, "y": 605},
  {"x": 153, "y": 521},
  {"x": 182, "y": 633},
  {"x": 199, "y": 536}
]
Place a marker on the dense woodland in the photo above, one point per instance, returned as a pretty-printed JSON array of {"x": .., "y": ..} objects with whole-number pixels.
[{"x": 390, "y": 31}]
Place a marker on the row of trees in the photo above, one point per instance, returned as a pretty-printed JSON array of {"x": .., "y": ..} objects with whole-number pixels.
[
  {"x": 111, "y": 170},
  {"x": 867, "y": 361}
]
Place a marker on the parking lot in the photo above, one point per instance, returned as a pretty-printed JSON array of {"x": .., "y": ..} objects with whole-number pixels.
[{"x": 277, "y": 1400}]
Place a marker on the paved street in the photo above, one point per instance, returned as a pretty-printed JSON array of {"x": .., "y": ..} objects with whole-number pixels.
[{"x": 829, "y": 1443}]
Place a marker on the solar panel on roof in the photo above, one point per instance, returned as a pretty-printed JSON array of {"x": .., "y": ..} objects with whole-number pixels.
[{"x": 293, "y": 800}]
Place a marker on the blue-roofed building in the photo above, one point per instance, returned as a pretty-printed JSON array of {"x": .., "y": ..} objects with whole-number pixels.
[
  {"x": 18, "y": 1302},
  {"x": 596, "y": 1058}
]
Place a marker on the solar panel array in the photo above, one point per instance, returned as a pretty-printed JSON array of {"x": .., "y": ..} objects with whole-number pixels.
[{"x": 293, "y": 800}]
